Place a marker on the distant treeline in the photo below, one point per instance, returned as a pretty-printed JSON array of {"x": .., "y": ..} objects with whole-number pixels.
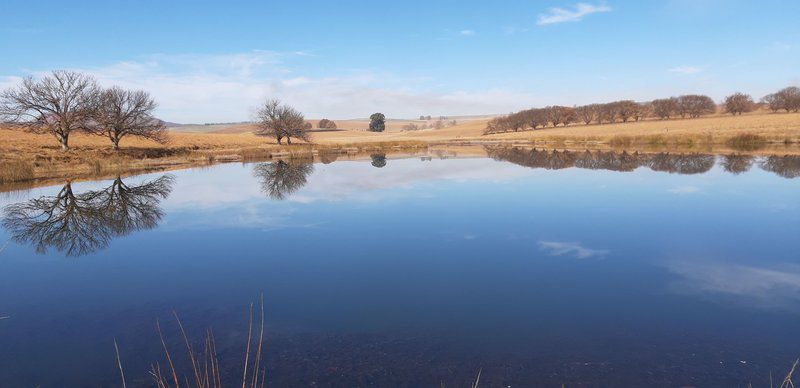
[
  {"x": 784, "y": 166},
  {"x": 686, "y": 106}
]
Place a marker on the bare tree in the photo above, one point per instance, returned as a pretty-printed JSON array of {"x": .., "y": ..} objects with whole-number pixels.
[
  {"x": 772, "y": 101},
  {"x": 587, "y": 113},
  {"x": 789, "y": 98},
  {"x": 739, "y": 103},
  {"x": 695, "y": 105},
  {"x": 626, "y": 109},
  {"x": 664, "y": 108},
  {"x": 123, "y": 112},
  {"x": 57, "y": 104},
  {"x": 278, "y": 120},
  {"x": 607, "y": 113}
]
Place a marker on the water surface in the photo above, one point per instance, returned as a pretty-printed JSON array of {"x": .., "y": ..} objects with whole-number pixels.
[{"x": 540, "y": 268}]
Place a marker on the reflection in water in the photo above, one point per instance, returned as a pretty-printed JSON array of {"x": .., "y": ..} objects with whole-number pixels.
[
  {"x": 737, "y": 164},
  {"x": 785, "y": 166},
  {"x": 79, "y": 224},
  {"x": 378, "y": 160},
  {"x": 279, "y": 179}
]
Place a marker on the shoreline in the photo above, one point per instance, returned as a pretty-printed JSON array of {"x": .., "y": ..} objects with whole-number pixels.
[{"x": 31, "y": 159}]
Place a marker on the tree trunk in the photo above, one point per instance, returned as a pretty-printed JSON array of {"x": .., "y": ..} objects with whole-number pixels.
[
  {"x": 288, "y": 140},
  {"x": 116, "y": 144},
  {"x": 64, "y": 141}
]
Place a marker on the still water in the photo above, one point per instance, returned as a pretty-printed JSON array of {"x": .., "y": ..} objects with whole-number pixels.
[{"x": 539, "y": 268}]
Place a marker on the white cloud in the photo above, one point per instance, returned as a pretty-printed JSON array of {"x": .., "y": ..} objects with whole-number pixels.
[
  {"x": 683, "y": 190},
  {"x": 467, "y": 32},
  {"x": 562, "y": 15},
  {"x": 685, "y": 70},
  {"x": 226, "y": 87},
  {"x": 557, "y": 248}
]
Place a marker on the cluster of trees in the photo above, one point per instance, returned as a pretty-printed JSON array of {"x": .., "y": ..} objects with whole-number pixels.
[
  {"x": 81, "y": 223},
  {"x": 787, "y": 99},
  {"x": 685, "y": 106},
  {"x": 65, "y": 102},
  {"x": 326, "y": 124},
  {"x": 624, "y": 111}
]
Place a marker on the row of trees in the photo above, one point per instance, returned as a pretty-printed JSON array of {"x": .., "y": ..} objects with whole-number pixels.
[
  {"x": 787, "y": 99},
  {"x": 784, "y": 166},
  {"x": 686, "y": 106},
  {"x": 65, "y": 102}
]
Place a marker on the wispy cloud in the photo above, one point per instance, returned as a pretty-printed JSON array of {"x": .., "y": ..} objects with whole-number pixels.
[
  {"x": 192, "y": 88},
  {"x": 467, "y": 32},
  {"x": 558, "y": 248},
  {"x": 762, "y": 286},
  {"x": 574, "y": 14},
  {"x": 683, "y": 190},
  {"x": 685, "y": 70}
]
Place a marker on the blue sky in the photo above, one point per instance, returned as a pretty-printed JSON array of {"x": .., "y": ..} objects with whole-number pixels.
[{"x": 346, "y": 59}]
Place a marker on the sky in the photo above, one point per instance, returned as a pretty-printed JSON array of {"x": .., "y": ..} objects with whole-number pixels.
[{"x": 217, "y": 62}]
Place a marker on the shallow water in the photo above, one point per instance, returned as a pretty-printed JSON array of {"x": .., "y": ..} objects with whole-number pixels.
[{"x": 539, "y": 268}]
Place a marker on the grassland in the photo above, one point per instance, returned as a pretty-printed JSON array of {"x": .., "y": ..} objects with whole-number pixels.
[{"x": 26, "y": 157}]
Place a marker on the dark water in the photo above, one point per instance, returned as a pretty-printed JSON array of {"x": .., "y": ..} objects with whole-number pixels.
[{"x": 540, "y": 268}]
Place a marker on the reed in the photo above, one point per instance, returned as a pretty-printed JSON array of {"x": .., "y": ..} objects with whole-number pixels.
[
  {"x": 204, "y": 366},
  {"x": 15, "y": 170},
  {"x": 747, "y": 142}
]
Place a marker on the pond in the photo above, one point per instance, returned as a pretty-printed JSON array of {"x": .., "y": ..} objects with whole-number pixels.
[{"x": 536, "y": 268}]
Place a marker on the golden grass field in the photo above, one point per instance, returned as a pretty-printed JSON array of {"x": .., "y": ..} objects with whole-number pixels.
[{"x": 26, "y": 156}]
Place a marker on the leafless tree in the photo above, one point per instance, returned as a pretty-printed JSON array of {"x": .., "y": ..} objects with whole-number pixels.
[
  {"x": 789, "y": 99},
  {"x": 626, "y": 109},
  {"x": 587, "y": 113},
  {"x": 560, "y": 115},
  {"x": 79, "y": 224},
  {"x": 645, "y": 110},
  {"x": 278, "y": 120},
  {"x": 607, "y": 113},
  {"x": 281, "y": 178},
  {"x": 695, "y": 105},
  {"x": 739, "y": 103},
  {"x": 664, "y": 108},
  {"x": 57, "y": 104},
  {"x": 123, "y": 112},
  {"x": 773, "y": 102}
]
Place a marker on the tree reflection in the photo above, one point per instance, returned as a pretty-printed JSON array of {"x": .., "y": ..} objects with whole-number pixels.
[
  {"x": 378, "y": 160},
  {"x": 79, "y": 224},
  {"x": 785, "y": 166},
  {"x": 737, "y": 164},
  {"x": 603, "y": 160},
  {"x": 280, "y": 179}
]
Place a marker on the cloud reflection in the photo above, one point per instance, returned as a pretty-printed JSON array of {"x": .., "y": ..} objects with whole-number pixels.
[
  {"x": 777, "y": 287},
  {"x": 576, "y": 250}
]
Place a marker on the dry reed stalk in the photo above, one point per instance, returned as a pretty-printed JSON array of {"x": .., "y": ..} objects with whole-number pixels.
[{"x": 119, "y": 364}]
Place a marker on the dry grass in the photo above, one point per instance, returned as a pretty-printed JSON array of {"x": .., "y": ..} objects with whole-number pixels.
[
  {"x": 26, "y": 156},
  {"x": 204, "y": 366},
  {"x": 15, "y": 170}
]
